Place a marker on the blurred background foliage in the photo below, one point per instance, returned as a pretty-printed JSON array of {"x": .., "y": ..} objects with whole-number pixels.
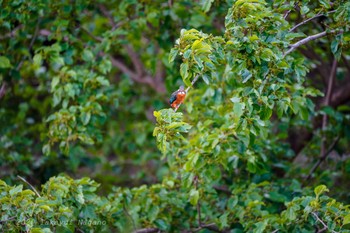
[{"x": 85, "y": 88}]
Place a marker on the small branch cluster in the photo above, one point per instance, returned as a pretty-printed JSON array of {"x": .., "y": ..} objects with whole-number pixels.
[{"x": 325, "y": 227}]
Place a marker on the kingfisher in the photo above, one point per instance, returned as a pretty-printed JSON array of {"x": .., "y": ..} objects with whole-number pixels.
[{"x": 177, "y": 98}]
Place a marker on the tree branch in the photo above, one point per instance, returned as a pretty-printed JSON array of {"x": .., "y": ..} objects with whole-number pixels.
[
  {"x": 322, "y": 158},
  {"x": 147, "y": 230},
  {"x": 136, "y": 61},
  {"x": 120, "y": 65},
  {"x": 323, "y": 223},
  {"x": 288, "y": 12},
  {"x": 310, "y": 38},
  {"x": 96, "y": 38},
  {"x": 31, "y": 186},
  {"x": 304, "y": 22},
  {"x": 2, "y": 90},
  {"x": 11, "y": 33},
  {"x": 9, "y": 219},
  {"x": 36, "y": 32}
]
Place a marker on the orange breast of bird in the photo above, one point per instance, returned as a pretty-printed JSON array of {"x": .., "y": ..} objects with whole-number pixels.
[{"x": 180, "y": 97}]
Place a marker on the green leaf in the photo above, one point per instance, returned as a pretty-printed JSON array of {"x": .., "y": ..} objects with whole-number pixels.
[
  {"x": 205, "y": 77},
  {"x": 15, "y": 190},
  {"x": 153, "y": 213},
  {"x": 54, "y": 82},
  {"x": 260, "y": 226},
  {"x": 265, "y": 113},
  {"x": 172, "y": 55},
  {"x": 161, "y": 224},
  {"x": 184, "y": 70},
  {"x": 40, "y": 230},
  {"x": 334, "y": 46},
  {"x": 87, "y": 55},
  {"x": 238, "y": 109},
  {"x": 346, "y": 219},
  {"x": 320, "y": 189},
  {"x": 266, "y": 54},
  {"x": 37, "y": 59},
  {"x": 206, "y": 5},
  {"x": 235, "y": 99},
  {"x": 246, "y": 75},
  {"x": 325, "y": 3},
  {"x": 45, "y": 207},
  {"x": 194, "y": 196},
  {"x": 277, "y": 197},
  {"x": 4, "y": 62},
  {"x": 46, "y": 149}
]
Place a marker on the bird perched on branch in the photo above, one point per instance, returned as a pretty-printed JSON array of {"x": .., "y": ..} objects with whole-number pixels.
[{"x": 177, "y": 98}]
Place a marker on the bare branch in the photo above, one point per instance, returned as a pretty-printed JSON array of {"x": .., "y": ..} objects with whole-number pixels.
[
  {"x": 11, "y": 33},
  {"x": 9, "y": 219},
  {"x": 159, "y": 71},
  {"x": 147, "y": 230},
  {"x": 288, "y": 12},
  {"x": 2, "y": 90},
  {"x": 195, "y": 180},
  {"x": 120, "y": 65},
  {"x": 323, "y": 152},
  {"x": 96, "y": 38},
  {"x": 31, "y": 186},
  {"x": 304, "y": 22},
  {"x": 323, "y": 223},
  {"x": 329, "y": 91},
  {"x": 136, "y": 61},
  {"x": 36, "y": 32},
  {"x": 310, "y": 38},
  {"x": 106, "y": 13},
  {"x": 341, "y": 95},
  {"x": 324, "y": 156}
]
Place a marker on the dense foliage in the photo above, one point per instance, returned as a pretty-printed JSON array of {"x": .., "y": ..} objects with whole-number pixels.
[{"x": 263, "y": 132}]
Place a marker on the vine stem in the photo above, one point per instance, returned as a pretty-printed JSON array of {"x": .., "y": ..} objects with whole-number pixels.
[{"x": 31, "y": 186}]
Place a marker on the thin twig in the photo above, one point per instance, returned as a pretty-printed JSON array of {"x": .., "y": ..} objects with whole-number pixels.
[
  {"x": 31, "y": 186},
  {"x": 9, "y": 219},
  {"x": 327, "y": 100},
  {"x": 188, "y": 88},
  {"x": 2, "y": 90},
  {"x": 323, "y": 153},
  {"x": 36, "y": 33},
  {"x": 96, "y": 38},
  {"x": 310, "y": 38},
  {"x": 324, "y": 156},
  {"x": 11, "y": 33},
  {"x": 288, "y": 12},
  {"x": 314, "y": 17},
  {"x": 195, "y": 180},
  {"x": 210, "y": 226},
  {"x": 323, "y": 223},
  {"x": 147, "y": 230},
  {"x": 132, "y": 220}
]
